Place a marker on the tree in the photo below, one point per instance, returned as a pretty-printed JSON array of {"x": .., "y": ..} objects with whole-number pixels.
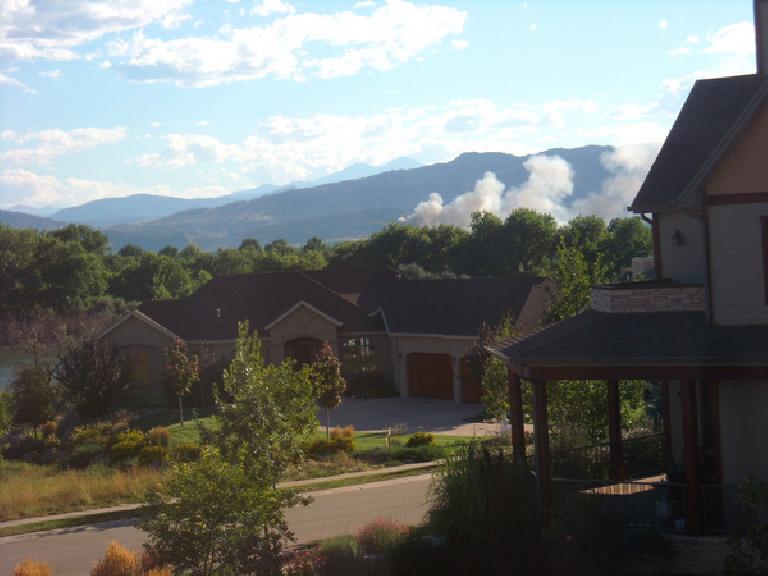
[
  {"x": 93, "y": 376},
  {"x": 574, "y": 277},
  {"x": 529, "y": 238},
  {"x": 628, "y": 237},
  {"x": 491, "y": 370},
  {"x": 32, "y": 397},
  {"x": 183, "y": 371},
  {"x": 313, "y": 243},
  {"x": 214, "y": 517},
  {"x": 264, "y": 411},
  {"x": 329, "y": 384}
]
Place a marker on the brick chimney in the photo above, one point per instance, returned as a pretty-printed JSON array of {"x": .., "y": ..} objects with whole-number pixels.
[{"x": 761, "y": 36}]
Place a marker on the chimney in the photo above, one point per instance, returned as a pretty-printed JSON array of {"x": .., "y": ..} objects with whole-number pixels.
[{"x": 761, "y": 36}]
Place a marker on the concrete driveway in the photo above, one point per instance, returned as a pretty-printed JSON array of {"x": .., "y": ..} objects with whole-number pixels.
[{"x": 438, "y": 416}]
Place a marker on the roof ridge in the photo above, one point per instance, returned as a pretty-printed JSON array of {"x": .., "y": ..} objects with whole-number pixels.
[{"x": 326, "y": 288}]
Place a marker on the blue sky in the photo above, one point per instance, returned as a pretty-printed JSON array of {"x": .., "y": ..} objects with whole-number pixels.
[{"x": 204, "y": 97}]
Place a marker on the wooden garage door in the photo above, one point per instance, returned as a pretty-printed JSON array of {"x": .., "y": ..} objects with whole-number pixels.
[{"x": 430, "y": 376}]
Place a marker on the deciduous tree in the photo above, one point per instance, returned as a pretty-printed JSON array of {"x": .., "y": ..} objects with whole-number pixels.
[
  {"x": 329, "y": 384},
  {"x": 183, "y": 371}
]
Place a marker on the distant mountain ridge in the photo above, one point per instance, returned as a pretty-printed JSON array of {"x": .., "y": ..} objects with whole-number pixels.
[
  {"x": 136, "y": 208},
  {"x": 350, "y": 208},
  {"x": 23, "y": 220}
]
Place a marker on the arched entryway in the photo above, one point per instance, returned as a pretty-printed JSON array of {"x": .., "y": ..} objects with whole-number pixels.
[{"x": 304, "y": 349}]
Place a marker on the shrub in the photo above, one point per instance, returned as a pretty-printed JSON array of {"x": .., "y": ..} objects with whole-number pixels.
[
  {"x": 420, "y": 439},
  {"x": 84, "y": 455},
  {"x": 97, "y": 433},
  {"x": 32, "y": 568},
  {"x": 380, "y": 535},
  {"x": 185, "y": 453},
  {"x": 18, "y": 445},
  {"x": 426, "y": 453},
  {"x": 49, "y": 428},
  {"x": 344, "y": 438},
  {"x": 118, "y": 561},
  {"x": 159, "y": 436},
  {"x": 127, "y": 446},
  {"x": 153, "y": 454}
]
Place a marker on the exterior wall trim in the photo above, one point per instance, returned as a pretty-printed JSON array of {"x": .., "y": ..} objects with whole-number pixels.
[
  {"x": 299, "y": 304},
  {"x": 723, "y": 199},
  {"x": 143, "y": 318}
]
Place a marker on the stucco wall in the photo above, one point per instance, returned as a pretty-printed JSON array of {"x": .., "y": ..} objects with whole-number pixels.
[
  {"x": 145, "y": 346},
  {"x": 738, "y": 282},
  {"x": 300, "y": 323},
  {"x": 404, "y": 345},
  {"x": 683, "y": 261},
  {"x": 744, "y": 430}
]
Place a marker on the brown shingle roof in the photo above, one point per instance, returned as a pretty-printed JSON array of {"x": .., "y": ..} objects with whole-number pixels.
[
  {"x": 599, "y": 338},
  {"x": 713, "y": 107},
  {"x": 455, "y": 307},
  {"x": 259, "y": 298}
]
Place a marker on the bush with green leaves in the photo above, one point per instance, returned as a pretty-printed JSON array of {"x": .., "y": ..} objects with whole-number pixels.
[
  {"x": 420, "y": 439},
  {"x": 127, "y": 445},
  {"x": 222, "y": 520},
  {"x": 186, "y": 453},
  {"x": 153, "y": 454},
  {"x": 748, "y": 555},
  {"x": 33, "y": 397}
]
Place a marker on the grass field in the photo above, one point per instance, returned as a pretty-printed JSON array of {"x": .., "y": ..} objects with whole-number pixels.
[{"x": 36, "y": 490}]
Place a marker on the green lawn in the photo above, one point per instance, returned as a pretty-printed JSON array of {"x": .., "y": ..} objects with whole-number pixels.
[{"x": 368, "y": 441}]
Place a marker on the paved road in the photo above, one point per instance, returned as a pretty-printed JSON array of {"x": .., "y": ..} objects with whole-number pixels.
[{"x": 73, "y": 551}]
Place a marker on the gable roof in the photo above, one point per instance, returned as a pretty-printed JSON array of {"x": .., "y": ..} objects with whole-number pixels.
[
  {"x": 142, "y": 318},
  {"x": 451, "y": 307},
  {"x": 213, "y": 311},
  {"x": 714, "y": 113},
  {"x": 351, "y": 282}
]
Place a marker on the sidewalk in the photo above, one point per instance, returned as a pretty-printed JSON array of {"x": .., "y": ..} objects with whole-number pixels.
[{"x": 288, "y": 484}]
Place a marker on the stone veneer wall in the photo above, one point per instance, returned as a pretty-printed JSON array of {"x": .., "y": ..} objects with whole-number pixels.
[{"x": 671, "y": 299}]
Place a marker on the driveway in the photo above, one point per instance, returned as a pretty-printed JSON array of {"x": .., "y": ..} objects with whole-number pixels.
[{"x": 438, "y": 416}]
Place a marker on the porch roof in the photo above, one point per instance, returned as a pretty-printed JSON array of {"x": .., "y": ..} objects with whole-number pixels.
[{"x": 638, "y": 340}]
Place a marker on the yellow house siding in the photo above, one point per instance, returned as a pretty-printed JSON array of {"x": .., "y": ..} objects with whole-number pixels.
[
  {"x": 737, "y": 278},
  {"x": 744, "y": 170},
  {"x": 682, "y": 260}
]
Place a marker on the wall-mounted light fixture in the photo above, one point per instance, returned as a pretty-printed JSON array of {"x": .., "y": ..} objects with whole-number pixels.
[{"x": 678, "y": 238}]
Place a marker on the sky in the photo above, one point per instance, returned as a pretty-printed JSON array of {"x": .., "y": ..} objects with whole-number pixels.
[{"x": 192, "y": 98}]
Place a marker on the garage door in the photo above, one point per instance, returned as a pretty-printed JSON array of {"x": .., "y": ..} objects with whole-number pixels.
[
  {"x": 430, "y": 376},
  {"x": 471, "y": 389}
]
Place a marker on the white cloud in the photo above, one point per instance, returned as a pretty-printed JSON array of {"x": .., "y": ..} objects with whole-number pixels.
[
  {"x": 548, "y": 189},
  {"x": 736, "y": 38},
  {"x": 6, "y": 80},
  {"x": 549, "y": 183},
  {"x": 8, "y": 135},
  {"x": 49, "y": 144},
  {"x": 459, "y": 44},
  {"x": 283, "y": 149},
  {"x": 533, "y": 27},
  {"x": 628, "y": 166},
  {"x": 663, "y": 24},
  {"x": 364, "y": 4},
  {"x": 692, "y": 39},
  {"x": 486, "y": 197},
  {"x": 346, "y": 43},
  {"x": 52, "y": 74},
  {"x": 39, "y": 29},
  {"x": 184, "y": 150},
  {"x": 32, "y": 189},
  {"x": 267, "y": 7}
]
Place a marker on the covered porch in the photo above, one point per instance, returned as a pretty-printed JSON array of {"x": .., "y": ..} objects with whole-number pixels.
[{"x": 695, "y": 366}]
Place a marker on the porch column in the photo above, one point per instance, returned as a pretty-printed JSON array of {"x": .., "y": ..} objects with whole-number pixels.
[
  {"x": 666, "y": 414},
  {"x": 618, "y": 467},
  {"x": 543, "y": 458},
  {"x": 456, "y": 367},
  {"x": 516, "y": 416},
  {"x": 691, "y": 452}
]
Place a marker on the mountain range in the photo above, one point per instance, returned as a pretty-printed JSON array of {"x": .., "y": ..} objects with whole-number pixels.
[{"x": 349, "y": 204}]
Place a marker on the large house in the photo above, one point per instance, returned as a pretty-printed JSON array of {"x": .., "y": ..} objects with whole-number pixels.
[
  {"x": 701, "y": 328},
  {"x": 413, "y": 335}
]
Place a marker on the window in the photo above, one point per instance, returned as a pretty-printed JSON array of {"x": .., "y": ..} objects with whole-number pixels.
[
  {"x": 764, "y": 242},
  {"x": 358, "y": 356}
]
